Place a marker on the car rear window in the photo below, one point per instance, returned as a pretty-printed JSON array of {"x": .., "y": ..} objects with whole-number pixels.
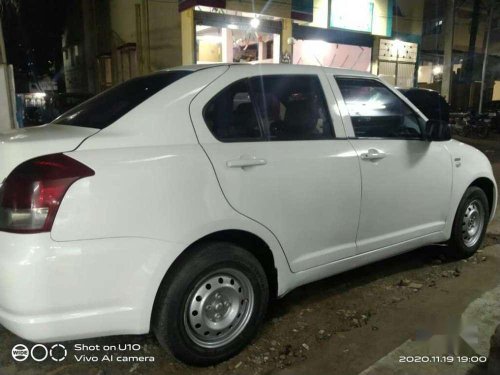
[{"x": 104, "y": 109}]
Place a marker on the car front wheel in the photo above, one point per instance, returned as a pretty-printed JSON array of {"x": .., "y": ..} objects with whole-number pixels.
[
  {"x": 469, "y": 226},
  {"x": 212, "y": 305}
]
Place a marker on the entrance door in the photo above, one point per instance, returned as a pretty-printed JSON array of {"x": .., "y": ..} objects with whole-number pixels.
[{"x": 282, "y": 159}]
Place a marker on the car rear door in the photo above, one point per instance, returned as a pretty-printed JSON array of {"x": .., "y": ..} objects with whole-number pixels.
[
  {"x": 406, "y": 179},
  {"x": 277, "y": 144}
]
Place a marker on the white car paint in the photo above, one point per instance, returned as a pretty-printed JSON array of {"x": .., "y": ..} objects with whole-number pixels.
[
  {"x": 162, "y": 183},
  {"x": 315, "y": 179},
  {"x": 19, "y": 145}
]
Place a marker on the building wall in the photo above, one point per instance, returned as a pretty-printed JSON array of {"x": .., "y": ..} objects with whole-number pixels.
[
  {"x": 122, "y": 15},
  {"x": 411, "y": 21},
  {"x": 462, "y": 30},
  {"x": 320, "y": 13},
  {"x": 75, "y": 72},
  {"x": 434, "y": 41},
  {"x": 496, "y": 91},
  {"x": 141, "y": 36},
  {"x": 164, "y": 35},
  {"x": 123, "y": 31},
  {"x": 75, "y": 75},
  {"x": 109, "y": 41},
  {"x": 154, "y": 28},
  {"x": 381, "y": 17},
  {"x": 494, "y": 46}
]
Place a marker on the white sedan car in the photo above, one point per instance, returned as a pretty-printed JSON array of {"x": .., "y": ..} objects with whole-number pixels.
[{"x": 180, "y": 202}]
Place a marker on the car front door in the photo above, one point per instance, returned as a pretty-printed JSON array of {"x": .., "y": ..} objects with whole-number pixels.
[
  {"x": 406, "y": 180},
  {"x": 277, "y": 144}
]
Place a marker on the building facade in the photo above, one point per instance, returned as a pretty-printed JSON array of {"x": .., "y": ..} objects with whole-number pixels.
[
  {"x": 114, "y": 40},
  {"x": 468, "y": 45}
]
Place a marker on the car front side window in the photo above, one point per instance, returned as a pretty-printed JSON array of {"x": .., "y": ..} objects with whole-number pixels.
[{"x": 376, "y": 112}]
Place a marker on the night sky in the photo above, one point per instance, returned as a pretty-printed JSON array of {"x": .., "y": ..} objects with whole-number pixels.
[{"x": 32, "y": 36}]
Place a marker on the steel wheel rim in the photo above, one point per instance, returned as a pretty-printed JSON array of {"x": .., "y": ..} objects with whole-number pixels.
[
  {"x": 473, "y": 223},
  {"x": 218, "y": 308}
]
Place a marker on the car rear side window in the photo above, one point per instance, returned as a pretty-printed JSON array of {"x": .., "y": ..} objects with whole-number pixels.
[
  {"x": 270, "y": 108},
  {"x": 231, "y": 115},
  {"x": 104, "y": 109},
  {"x": 292, "y": 107},
  {"x": 376, "y": 112}
]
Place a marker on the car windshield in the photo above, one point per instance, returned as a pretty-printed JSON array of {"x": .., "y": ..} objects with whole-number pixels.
[{"x": 104, "y": 109}]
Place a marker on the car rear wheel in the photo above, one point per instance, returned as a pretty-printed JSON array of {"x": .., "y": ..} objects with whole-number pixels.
[
  {"x": 213, "y": 304},
  {"x": 469, "y": 226}
]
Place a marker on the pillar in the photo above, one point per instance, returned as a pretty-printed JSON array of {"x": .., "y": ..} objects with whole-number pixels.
[
  {"x": 188, "y": 31},
  {"x": 449, "y": 22},
  {"x": 286, "y": 35}
]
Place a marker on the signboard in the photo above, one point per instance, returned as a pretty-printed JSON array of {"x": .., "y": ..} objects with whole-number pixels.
[
  {"x": 302, "y": 10},
  {"x": 354, "y": 15}
]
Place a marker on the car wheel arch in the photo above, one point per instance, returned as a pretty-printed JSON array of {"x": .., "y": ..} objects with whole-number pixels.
[
  {"x": 486, "y": 185},
  {"x": 482, "y": 182},
  {"x": 247, "y": 240}
]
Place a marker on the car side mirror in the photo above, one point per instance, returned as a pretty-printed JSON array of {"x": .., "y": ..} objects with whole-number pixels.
[{"x": 437, "y": 130}]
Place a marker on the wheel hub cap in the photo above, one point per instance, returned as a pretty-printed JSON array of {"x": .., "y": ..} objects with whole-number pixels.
[
  {"x": 473, "y": 223},
  {"x": 219, "y": 308}
]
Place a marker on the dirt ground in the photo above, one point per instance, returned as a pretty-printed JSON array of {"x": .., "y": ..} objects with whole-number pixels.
[{"x": 339, "y": 325}]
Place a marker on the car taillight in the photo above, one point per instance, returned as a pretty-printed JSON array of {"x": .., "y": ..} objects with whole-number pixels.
[{"x": 30, "y": 196}]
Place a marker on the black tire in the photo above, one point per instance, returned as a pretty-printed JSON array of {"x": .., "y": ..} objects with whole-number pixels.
[
  {"x": 457, "y": 241},
  {"x": 169, "y": 322}
]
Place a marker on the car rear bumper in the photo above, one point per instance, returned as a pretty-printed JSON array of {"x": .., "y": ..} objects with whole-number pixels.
[{"x": 52, "y": 291}]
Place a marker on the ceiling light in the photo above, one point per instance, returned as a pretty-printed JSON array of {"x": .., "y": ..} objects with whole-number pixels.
[
  {"x": 255, "y": 22},
  {"x": 438, "y": 69}
]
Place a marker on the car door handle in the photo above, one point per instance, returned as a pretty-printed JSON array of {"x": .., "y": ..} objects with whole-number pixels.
[
  {"x": 242, "y": 163},
  {"x": 373, "y": 154}
]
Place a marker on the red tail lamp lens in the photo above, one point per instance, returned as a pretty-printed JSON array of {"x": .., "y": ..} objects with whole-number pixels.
[{"x": 30, "y": 196}]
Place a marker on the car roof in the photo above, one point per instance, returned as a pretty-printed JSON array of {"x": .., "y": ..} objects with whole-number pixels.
[{"x": 275, "y": 67}]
